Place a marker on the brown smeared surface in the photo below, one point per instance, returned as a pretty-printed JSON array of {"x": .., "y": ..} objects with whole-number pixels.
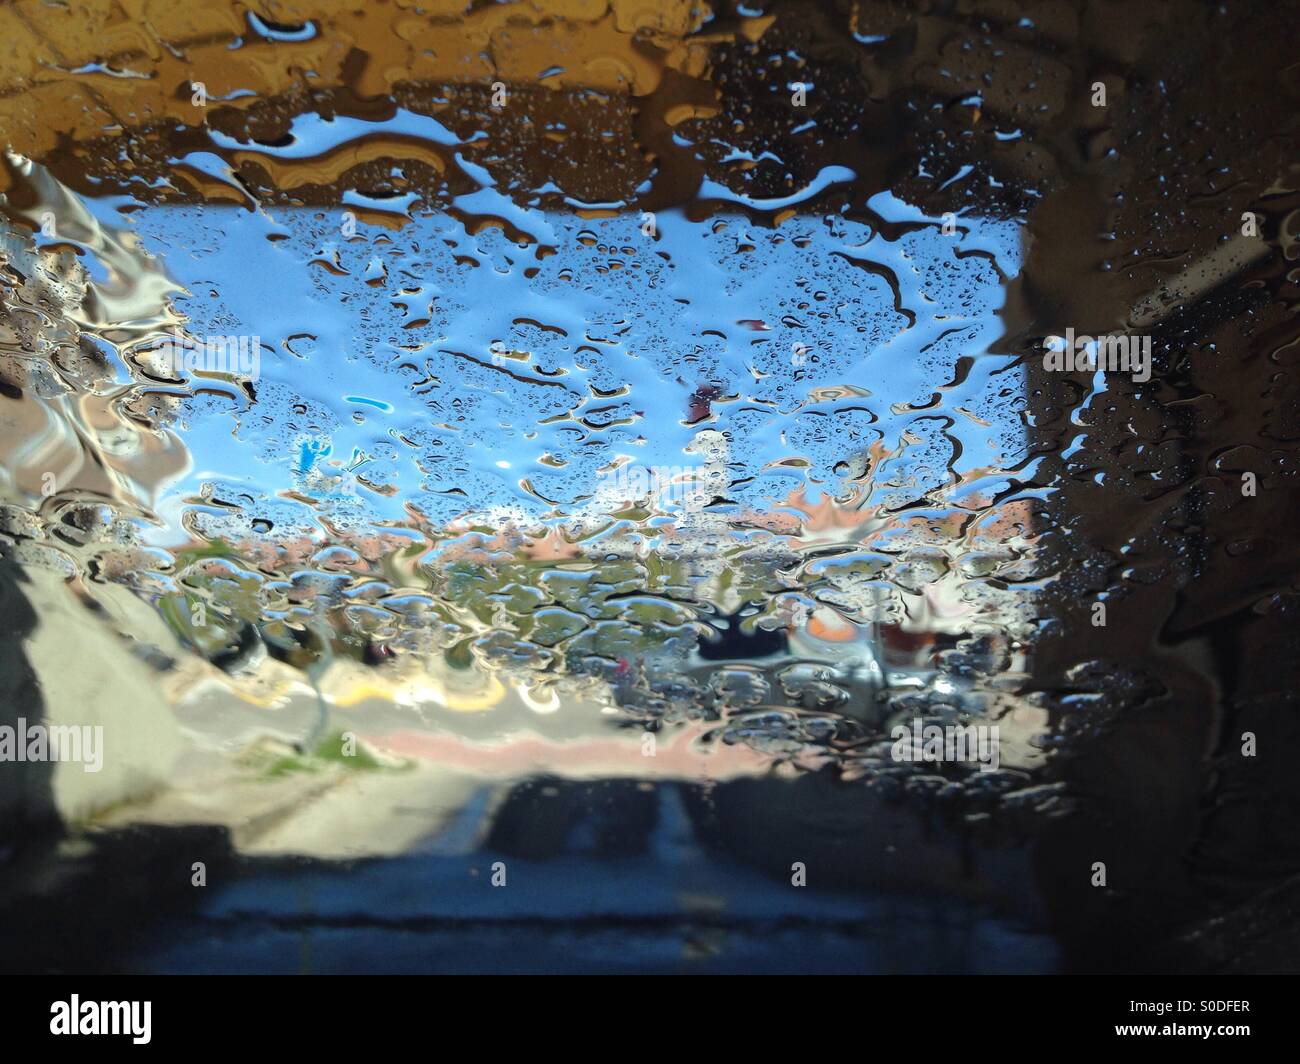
[{"x": 619, "y": 48}]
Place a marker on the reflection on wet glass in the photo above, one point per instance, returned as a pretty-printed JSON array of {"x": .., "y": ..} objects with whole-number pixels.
[{"x": 587, "y": 454}]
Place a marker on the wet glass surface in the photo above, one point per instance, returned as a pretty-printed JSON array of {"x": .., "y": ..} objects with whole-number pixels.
[{"x": 584, "y": 486}]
